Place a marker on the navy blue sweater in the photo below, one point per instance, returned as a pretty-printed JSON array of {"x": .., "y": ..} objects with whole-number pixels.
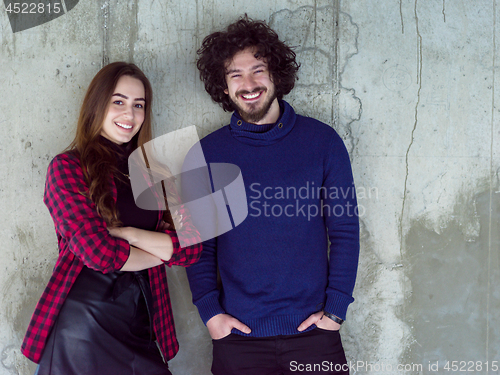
[{"x": 274, "y": 266}]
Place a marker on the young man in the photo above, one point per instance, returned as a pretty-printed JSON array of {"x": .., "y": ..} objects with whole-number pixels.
[{"x": 280, "y": 300}]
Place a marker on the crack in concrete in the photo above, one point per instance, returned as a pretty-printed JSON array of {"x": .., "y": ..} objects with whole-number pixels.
[
  {"x": 315, "y": 12},
  {"x": 302, "y": 47},
  {"x": 491, "y": 184},
  {"x": 348, "y": 56},
  {"x": 444, "y": 13},
  {"x": 134, "y": 30},
  {"x": 105, "y": 15},
  {"x": 401, "y": 15},
  {"x": 348, "y": 126},
  {"x": 335, "y": 77},
  {"x": 419, "y": 82},
  {"x": 306, "y": 37},
  {"x": 333, "y": 58}
]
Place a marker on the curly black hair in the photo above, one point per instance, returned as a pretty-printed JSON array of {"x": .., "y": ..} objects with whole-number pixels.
[{"x": 218, "y": 49}]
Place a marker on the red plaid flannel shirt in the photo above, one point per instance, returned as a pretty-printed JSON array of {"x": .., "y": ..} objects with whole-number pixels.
[{"x": 83, "y": 239}]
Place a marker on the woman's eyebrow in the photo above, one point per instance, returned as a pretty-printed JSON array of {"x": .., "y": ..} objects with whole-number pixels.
[{"x": 126, "y": 97}]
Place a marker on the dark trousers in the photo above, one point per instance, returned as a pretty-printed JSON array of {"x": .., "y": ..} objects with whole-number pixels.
[
  {"x": 166, "y": 373},
  {"x": 316, "y": 352}
]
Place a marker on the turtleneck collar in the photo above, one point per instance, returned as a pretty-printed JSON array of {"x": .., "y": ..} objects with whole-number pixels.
[
  {"x": 122, "y": 151},
  {"x": 267, "y": 134}
]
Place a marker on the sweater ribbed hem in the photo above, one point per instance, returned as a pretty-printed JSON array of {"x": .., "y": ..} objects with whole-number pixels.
[{"x": 274, "y": 326}]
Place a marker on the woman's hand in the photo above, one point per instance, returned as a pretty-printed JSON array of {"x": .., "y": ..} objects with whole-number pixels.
[
  {"x": 120, "y": 232},
  {"x": 156, "y": 243},
  {"x": 138, "y": 259},
  {"x": 163, "y": 226}
]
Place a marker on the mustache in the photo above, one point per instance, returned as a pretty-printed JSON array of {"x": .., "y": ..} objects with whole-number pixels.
[{"x": 246, "y": 92}]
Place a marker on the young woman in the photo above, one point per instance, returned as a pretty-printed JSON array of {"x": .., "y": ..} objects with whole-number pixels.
[{"x": 106, "y": 309}]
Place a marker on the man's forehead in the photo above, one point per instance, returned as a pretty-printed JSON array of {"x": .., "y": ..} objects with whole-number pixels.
[{"x": 245, "y": 55}]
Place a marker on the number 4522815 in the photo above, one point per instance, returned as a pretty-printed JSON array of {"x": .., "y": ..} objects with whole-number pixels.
[
  {"x": 470, "y": 366},
  {"x": 33, "y": 8}
]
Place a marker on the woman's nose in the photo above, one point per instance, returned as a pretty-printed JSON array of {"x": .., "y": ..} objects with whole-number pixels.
[{"x": 128, "y": 111}]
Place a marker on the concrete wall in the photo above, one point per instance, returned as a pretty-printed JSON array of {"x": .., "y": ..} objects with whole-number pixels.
[{"x": 411, "y": 86}]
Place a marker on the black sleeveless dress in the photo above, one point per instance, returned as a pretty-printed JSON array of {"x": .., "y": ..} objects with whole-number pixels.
[{"x": 104, "y": 326}]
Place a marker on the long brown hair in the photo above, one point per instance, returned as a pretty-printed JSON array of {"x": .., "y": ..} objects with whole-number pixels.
[{"x": 97, "y": 160}]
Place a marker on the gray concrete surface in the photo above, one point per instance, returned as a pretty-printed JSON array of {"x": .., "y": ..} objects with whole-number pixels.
[{"x": 411, "y": 86}]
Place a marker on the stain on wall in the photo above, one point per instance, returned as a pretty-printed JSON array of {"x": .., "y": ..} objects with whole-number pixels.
[{"x": 454, "y": 275}]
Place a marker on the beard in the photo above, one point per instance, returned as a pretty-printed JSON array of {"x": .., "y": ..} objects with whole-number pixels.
[{"x": 255, "y": 111}]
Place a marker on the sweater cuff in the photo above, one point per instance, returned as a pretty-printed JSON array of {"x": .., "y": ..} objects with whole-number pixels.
[
  {"x": 337, "y": 303},
  {"x": 209, "y": 306}
]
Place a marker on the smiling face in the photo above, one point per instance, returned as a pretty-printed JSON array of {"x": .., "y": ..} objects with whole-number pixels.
[
  {"x": 251, "y": 89},
  {"x": 126, "y": 111}
]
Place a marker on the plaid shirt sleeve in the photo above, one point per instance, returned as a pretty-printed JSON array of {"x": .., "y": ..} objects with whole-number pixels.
[{"x": 76, "y": 219}]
